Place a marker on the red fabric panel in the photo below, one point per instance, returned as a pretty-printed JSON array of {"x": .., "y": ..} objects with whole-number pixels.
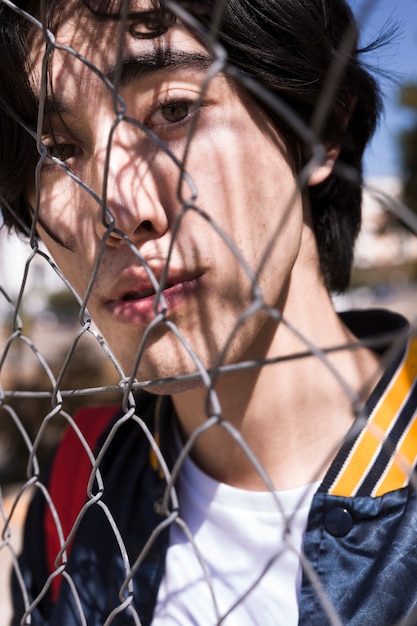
[{"x": 71, "y": 469}]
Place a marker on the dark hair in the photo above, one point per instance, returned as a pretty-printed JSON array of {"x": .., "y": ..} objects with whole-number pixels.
[{"x": 289, "y": 48}]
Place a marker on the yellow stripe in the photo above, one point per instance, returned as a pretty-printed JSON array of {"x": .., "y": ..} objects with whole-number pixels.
[
  {"x": 401, "y": 466},
  {"x": 371, "y": 439}
]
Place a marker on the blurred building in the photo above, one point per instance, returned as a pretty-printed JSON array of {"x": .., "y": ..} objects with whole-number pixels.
[
  {"x": 16, "y": 260},
  {"x": 383, "y": 241}
]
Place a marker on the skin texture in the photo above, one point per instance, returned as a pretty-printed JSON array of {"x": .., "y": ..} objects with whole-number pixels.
[{"x": 246, "y": 186}]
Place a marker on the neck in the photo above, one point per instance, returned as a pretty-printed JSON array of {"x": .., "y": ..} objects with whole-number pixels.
[{"x": 292, "y": 413}]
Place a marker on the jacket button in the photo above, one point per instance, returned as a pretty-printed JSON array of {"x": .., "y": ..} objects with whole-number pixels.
[{"x": 338, "y": 522}]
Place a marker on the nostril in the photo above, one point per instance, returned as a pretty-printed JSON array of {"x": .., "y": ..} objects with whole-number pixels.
[{"x": 147, "y": 225}]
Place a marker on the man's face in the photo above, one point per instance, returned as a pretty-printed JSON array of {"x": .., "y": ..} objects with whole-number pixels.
[{"x": 235, "y": 162}]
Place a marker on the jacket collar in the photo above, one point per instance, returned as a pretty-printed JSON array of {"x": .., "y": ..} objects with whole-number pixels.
[{"x": 380, "y": 451}]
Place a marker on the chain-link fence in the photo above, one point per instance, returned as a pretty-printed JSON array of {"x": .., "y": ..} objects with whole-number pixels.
[{"x": 189, "y": 167}]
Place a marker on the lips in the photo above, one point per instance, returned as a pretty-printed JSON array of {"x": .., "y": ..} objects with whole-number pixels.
[
  {"x": 144, "y": 293},
  {"x": 136, "y": 295},
  {"x": 136, "y": 302}
]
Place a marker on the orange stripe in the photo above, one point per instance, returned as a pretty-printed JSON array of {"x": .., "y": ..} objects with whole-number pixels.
[
  {"x": 383, "y": 416},
  {"x": 402, "y": 463}
]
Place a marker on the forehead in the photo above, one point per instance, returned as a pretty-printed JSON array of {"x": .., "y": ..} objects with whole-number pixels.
[{"x": 87, "y": 44}]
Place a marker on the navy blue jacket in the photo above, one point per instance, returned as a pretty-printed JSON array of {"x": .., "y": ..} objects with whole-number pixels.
[{"x": 360, "y": 546}]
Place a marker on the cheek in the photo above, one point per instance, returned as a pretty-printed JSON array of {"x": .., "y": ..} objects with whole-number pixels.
[
  {"x": 68, "y": 215},
  {"x": 250, "y": 191},
  {"x": 60, "y": 199},
  {"x": 73, "y": 263}
]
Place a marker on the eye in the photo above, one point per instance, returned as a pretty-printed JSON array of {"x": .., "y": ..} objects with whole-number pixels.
[
  {"x": 175, "y": 111},
  {"x": 173, "y": 114},
  {"x": 62, "y": 151},
  {"x": 60, "y": 146}
]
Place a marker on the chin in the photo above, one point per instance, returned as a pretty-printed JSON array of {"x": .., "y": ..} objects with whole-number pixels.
[
  {"x": 166, "y": 366},
  {"x": 168, "y": 382},
  {"x": 170, "y": 387},
  {"x": 163, "y": 376}
]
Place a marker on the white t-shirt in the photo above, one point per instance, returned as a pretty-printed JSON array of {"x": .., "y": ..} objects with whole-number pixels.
[{"x": 238, "y": 534}]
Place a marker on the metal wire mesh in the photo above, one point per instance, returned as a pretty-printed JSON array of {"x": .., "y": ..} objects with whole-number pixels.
[{"x": 121, "y": 384}]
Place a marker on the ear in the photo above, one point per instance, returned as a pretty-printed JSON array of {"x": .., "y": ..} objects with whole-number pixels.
[{"x": 323, "y": 171}]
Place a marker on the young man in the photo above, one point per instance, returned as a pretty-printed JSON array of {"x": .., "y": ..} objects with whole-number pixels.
[{"x": 200, "y": 199}]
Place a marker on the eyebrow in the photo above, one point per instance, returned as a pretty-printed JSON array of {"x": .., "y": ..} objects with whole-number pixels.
[
  {"x": 133, "y": 68},
  {"x": 142, "y": 66}
]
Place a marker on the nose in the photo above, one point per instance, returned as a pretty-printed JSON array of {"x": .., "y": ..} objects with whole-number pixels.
[{"x": 134, "y": 192}]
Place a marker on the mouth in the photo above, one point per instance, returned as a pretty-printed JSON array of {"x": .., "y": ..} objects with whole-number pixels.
[
  {"x": 145, "y": 293},
  {"x": 138, "y": 307},
  {"x": 136, "y": 295}
]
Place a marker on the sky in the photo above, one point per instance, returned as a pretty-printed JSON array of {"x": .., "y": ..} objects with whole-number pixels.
[{"x": 399, "y": 59}]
